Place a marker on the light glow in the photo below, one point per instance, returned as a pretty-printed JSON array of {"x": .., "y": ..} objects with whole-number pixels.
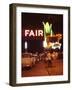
[
  {"x": 25, "y": 45},
  {"x": 45, "y": 43},
  {"x": 47, "y": 28}
]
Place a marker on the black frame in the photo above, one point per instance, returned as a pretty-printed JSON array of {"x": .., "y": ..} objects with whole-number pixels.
[{"x": 12, "y": 78}]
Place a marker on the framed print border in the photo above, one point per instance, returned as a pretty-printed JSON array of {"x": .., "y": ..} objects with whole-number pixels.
[{"x": 14, "y": 25}]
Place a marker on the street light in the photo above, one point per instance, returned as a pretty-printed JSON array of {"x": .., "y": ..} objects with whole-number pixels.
[{"x": 26, "y": 46}]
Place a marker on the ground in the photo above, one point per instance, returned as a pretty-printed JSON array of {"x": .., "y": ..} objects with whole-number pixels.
[{"x": 41, "y": 69}]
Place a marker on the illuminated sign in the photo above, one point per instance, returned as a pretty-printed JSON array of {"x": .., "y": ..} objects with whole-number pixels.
[
  {"x": 39, "y": 34},
  {"x": 33, "y": 33}
]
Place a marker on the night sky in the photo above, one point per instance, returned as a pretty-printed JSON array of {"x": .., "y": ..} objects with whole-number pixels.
[{"x": 34, "y": 21}]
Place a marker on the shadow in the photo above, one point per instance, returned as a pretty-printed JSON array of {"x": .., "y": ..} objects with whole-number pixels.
[{"x": 6, "y": 83}]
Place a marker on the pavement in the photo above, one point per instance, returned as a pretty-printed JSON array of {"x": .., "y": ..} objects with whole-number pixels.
[{"x": 41, "y": 68}]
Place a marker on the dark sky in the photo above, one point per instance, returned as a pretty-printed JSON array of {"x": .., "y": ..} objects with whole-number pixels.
[{"x": 34, "y": 21}]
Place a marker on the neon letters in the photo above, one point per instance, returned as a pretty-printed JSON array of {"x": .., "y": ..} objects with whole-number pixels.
[{"x": 34, "y": 33}]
